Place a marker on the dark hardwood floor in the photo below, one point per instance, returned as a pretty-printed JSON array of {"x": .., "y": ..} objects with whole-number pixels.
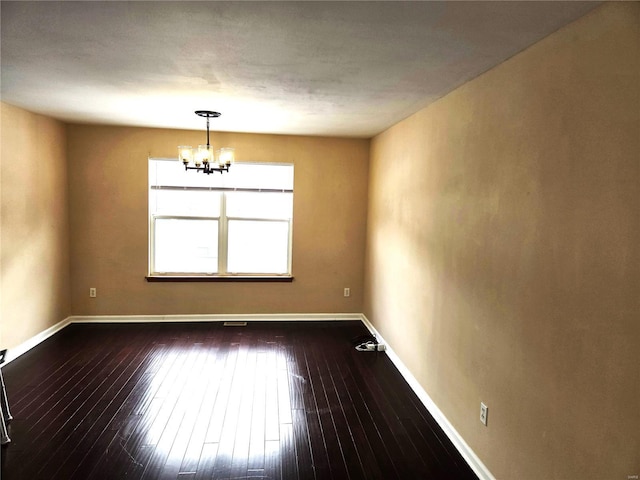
[{"x": 184, "y": 401}]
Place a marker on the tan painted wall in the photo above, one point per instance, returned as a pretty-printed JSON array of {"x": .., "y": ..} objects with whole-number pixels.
[
  {"x": 35, "y": 226},
  {"x": 503, "y": 253},
  {"x": 108, "y": 212}
]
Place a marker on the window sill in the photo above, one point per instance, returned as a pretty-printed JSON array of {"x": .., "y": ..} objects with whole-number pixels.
[{"x": 221, "y": 278}]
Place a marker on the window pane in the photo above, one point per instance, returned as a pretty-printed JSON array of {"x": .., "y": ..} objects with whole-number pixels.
[
  {"x": 271, "y": 176},
  {"x": 186, "y": 246},
  {"x": 185, "y": 202},
  {"x": 240, "y": 175},
  {"x": 258, "y": 246},
  {"x": 260, "y": 205}
]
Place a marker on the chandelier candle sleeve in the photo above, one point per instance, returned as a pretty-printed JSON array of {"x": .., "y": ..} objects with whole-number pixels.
[
  {"x": 203, "y": 155},
  {"x": 204, "y": 158},
  {"x": 185, "y": 154},
  {"x": 225, "y": 156}
]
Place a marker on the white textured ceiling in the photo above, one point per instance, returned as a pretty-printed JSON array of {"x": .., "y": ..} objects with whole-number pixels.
[{"x": 317, "y": 68}]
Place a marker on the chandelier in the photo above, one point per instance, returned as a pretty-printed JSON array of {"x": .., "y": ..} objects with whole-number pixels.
[{"x": 204, "y": 158}]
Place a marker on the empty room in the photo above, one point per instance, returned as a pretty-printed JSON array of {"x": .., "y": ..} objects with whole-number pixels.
[{"x": 320, "y": 240}]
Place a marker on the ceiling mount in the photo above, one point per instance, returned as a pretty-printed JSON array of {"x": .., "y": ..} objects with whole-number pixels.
[{"x": 207, "y": 114}]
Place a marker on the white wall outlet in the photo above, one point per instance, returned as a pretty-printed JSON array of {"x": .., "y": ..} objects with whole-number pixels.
[
  {"x": 347, "y": 292},
  {"x": 93, "y": 293},
  {"x": 484, "y": 412}
]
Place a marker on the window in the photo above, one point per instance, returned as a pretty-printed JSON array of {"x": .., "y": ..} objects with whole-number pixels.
[{"x": 234, "y": 224}]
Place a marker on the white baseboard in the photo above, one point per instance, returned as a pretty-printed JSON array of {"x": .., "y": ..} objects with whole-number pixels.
[
  {"x": 217, "y": 317},
  {"x": 465, "y": 450},
  {"x": 24, "y": 347}
]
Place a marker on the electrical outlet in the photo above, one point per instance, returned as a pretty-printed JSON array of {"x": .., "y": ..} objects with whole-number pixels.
[
  {"x": 93, "y": 293},
  {"x": 347, "y": 292},
  {"x": 484, "y": 412}
]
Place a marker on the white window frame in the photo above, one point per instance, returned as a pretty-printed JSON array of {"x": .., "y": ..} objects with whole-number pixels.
[{"x": 223, "y": 222}]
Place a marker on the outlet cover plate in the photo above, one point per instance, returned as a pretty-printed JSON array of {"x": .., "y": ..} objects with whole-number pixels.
[{"x": 484, "y": 413}]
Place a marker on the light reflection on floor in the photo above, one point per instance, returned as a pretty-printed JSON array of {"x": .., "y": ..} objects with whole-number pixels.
[{"x": 201, "y": 404}]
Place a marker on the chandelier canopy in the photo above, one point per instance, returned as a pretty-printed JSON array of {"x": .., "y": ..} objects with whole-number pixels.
[{"x": 204, "y": 158}]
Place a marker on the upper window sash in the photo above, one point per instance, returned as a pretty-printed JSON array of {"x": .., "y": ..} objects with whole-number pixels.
[{"x": 270, "y": 176}]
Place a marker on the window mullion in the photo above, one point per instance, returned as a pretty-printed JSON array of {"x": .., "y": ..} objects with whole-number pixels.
[
  {"x": 290, "y": 248},
  {"x": 223, "y": 235},
  {"x": 152, "y": 244}
]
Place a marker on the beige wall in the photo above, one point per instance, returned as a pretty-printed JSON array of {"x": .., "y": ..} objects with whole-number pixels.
[
  {"x": 108, "y": 214},
  {"x": 34, "y": 281},
  {"x": 502, "y": 262}
]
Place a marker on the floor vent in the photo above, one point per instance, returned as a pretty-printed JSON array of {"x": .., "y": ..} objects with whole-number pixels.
[{"x": 234, "y": 324}]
